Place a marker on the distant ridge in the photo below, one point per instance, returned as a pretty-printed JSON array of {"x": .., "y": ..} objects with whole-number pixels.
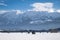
[{"x": 33, "y": 31}]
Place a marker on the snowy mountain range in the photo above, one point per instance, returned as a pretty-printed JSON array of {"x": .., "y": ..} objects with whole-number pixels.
[{"x": 30, "y": 19}]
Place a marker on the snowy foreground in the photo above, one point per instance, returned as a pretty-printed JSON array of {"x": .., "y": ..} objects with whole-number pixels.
[{"x": 26, "y": 36}]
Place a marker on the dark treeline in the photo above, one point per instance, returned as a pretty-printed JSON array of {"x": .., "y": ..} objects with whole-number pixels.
[{"x": 32, "y": 31}]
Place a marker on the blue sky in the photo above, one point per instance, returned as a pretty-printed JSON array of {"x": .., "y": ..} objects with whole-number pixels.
[{"x": 25, "y": 4}]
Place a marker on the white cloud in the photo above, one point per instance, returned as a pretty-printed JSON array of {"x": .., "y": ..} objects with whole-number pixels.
[
  {"x": 51, "y": 10},
  {"x": 58, "y": 11},
  {"x": 3, "y": 4},
  {"x": 3, "y": 11},
  {"x": 42, "y": 7},
  {"x": 17, "y": 11}
]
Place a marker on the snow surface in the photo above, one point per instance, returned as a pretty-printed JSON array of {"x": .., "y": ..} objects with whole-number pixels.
[{"x": 26, "y": 36}]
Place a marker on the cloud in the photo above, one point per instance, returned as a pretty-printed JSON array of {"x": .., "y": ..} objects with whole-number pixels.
[
  {"x": 42, "y": 7},
  {"x": 3, "y": 11},
  {"x": 58, "y": 11},
  {"x": 3, "y": 4},
  {"x": 17, "y": 11}
]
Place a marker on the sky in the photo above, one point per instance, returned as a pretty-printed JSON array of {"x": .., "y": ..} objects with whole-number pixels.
[{"x": 30, "y": 5}]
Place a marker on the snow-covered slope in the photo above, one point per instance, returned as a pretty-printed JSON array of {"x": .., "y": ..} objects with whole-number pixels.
[
  {"x": 29, "y": 20},
  {"x": 25, "y": 36}
]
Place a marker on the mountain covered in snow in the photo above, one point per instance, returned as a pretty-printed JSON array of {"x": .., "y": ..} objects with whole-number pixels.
[{"x": 29, "y": 20}]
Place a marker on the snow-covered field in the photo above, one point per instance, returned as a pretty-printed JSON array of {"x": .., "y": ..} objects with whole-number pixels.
[{"x": 26, "y": 36}]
